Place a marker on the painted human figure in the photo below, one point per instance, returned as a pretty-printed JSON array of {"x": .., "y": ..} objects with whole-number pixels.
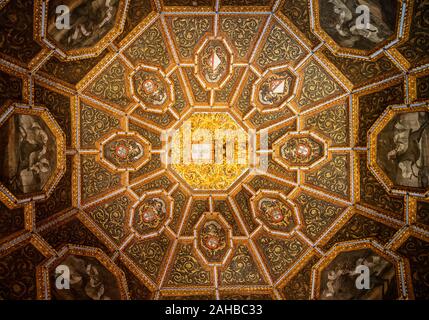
[
  {"x": 32, "y": 159},
  {"x": 376, "y": 30},
  {"x": 407, "y": 151},
  {"x": 90, "y": 17}
]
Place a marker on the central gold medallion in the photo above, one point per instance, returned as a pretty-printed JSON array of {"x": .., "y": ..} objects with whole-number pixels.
[{"x": 210, "y": 151}]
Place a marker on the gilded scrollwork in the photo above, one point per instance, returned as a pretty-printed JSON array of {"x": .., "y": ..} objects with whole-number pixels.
[
  {"x": 16, "y": 32},
  {"x": 332, "y": 122},
  {"x": 198, "y": 91},
  {"x": 225, "y": 94},
  {"x": 317, "y": 85},
  {"x": 72, "y": 232},
  {"x": 163, "y": 120},
  {"x": 279, "y": 48},
  {"x": 181, "y": 102},
  {"x": 186, "y": 269},
  {"x": 416, "y": 250},
  {"x": 213, "y": 63},
  {"x": 241, "y": 32},
  {"x": 242, "y": 269},
  {"x": 299, "y": 286},
  {"x": 262, "y": 234},
  {"x": 153, "y": 164},
  {"x": 361, "y": 72},
  {"x": 279, "y": 253},
  {"x": 333, "y": 177},
  {"x": 110, "y": 87},
  {"x": 374, "y": 195},
  {"x": 422, "y": 88},
  {"x": 188, "y": 31},
  {"x": 243, "y": 103},
  {"x": 225, "y": 210},
  {"x": 360, "y": 226},
  {"x": 276, "y": 168},
  {"x": 70, "y": 71},
  {"x": 149, "y": 254},
  {"x": 150, "y": 215},
  {"x": 149, "y": 48},
  {"x": 265, "y": 183},
  {"x": 150, "y": 135},
  {"x": 301, "y": 150},
  {"x": 137, "y": 11},
  {"x": 423, "y": 213},
  {"x": 162, "y": 182},
  {"x": 243, "y": 200},
  {"x": 298, "y": 13},
  {"x": 95, "y": 178},
  {"x": 18, "y": 270},
  {"x": 94, "y": 124},
  {"x": 216, "y": 172},
  {"x": 276, "y": 214},
  {"x": 261, "y": 120},
  {"x": 415, "y": 50},
  {"x": 318, "y": 214},
  {"x": 58, "y": 105},
  {"x": 372, "y": 105},
  {"x": 10, "y": 221},
  {"x": 198, "y": 207},
  {"x": 111, "y": 217},
  {"x": 179, "y": 202},
  {"x": 10, "y": 87}
]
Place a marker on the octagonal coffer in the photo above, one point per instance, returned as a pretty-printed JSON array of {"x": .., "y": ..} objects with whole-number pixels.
[
  {"x": 357, "y": 271},
  {"x": 210, "y": 151},
  {"x": 275, "y": 213},
  {"x": 151, "y": 214},
  {"x": 213, "y": 63},
  {"x": 399, "y": 152},
  {"x": 91, "y": 273},
  {"x": 213, "y": 237},
  {"x": 357, "y": 27},
  {"x": 274, "y": 89},
  {"x": 125, "y": 151},
  {"x": 79, "y": 28},
  {"x": 152, "y": 89},
  {"x": 300, "y": 150},
  {"x": 33, "y": 160}
]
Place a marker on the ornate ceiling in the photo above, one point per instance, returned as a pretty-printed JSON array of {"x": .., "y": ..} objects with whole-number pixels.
[{"x": 110, "y": 164}]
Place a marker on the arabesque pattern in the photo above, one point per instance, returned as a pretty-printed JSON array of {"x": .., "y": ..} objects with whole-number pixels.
[{"x": 330, "y": 124}]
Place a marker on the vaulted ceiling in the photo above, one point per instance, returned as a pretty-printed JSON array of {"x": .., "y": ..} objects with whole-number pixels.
[{"x": 334, "y": 119}]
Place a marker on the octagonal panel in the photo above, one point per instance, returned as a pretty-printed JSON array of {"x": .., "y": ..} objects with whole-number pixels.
[
  {"x": 336, "y": 276},
  {"x": 213, "y": 63},
  {"x": 79, "y": 28},
  {"x": 274, "y": 89},
  {"x": 210, "y": 151},
  {"x": 301, "y": 150},
  {"x": 274, "y": 212},
  {"x": 34, "y": 154},
  {"x": 152, "y": 89},
  {"x": 357, "y": 27},
  {"x": 213, "y": 238},
  {"x": 125, "y": 151},
  {"x": 399, "y": 154},
  {"x": 230, "y": 230},
  {"x": 91, "y": 274},
  {"x": 151, "y": 214}
]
